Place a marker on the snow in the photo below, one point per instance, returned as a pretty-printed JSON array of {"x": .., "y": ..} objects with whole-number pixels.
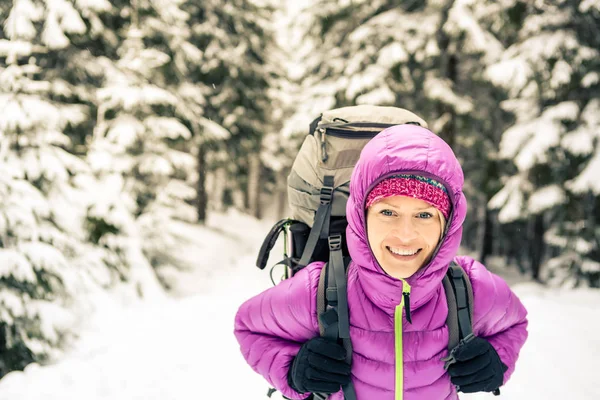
[
  {"x": 24, "y": 112},
  {"x": 561, "y": 74},
  {"x": 590, "y": 79},
  {"x": 14, "y": 48},
  {"x": 70, "y": 21},
  {"x": 574, "y": 246},
  {"x": 586, "y": 5},
  {"x": 512, "y": 73},
  {"x": 167, "y": 127},
  {"x": 130, "y": 97},
  {"x": 588, "y": 178},
  {"x": 516, "y": 67},
  {"x": 179, "y": 348},
  {"x": 591, "y": 115},
  {"x": 14, "y": 263},
  {"x": 95, "y": 5},
  {"x": 528, "y": 142},
  {"x": 513, "y": 209},
  {"x": 461, "y": 19},
  {"x": 441, "y": 90},
  {"x": 545, "y": 198},
  {"x": 370, "y": 78},
  {"x": 53, "y": 35},
  {"x": 19, "y": 24},
  {"x": 12, "y": 306},
  {"x": 391, "y": 55},
  {"x": 381, "y": 95},
  {"x": 212, "y": 130},
  {"x": 554, "y": 16},
  {"x": 578, "y": 141},
  {"x": 124, "y": 130}
]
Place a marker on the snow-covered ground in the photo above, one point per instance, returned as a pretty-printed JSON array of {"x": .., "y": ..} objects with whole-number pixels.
[{"x": 183, "y": 348}]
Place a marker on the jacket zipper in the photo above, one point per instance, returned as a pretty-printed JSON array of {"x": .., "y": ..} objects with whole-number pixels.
[{"x": 398, "y": 333}]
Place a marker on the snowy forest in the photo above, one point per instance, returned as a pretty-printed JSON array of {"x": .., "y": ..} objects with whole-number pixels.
[{"x": 121, "y": 122}]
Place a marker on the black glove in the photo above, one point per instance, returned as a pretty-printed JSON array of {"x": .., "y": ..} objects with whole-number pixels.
[
  {"x": 476, "y": 367},
  {"x": 319, "y": 367}
]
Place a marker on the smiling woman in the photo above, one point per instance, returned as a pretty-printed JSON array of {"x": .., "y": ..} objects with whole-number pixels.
[
  {"x": 403, "y": 233},
  {"x": 405, "y": 212}
]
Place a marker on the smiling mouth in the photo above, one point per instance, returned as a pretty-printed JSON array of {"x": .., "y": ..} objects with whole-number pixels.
[{"x": 403, "y": 253}]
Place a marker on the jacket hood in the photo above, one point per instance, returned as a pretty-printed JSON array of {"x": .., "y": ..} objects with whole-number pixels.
[{"x": 404, "y": 149}]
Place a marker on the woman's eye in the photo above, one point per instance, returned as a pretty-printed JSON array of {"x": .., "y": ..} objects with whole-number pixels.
[
  {"x": 424, "y": 215},
  {"x": 387, "y": 213}
]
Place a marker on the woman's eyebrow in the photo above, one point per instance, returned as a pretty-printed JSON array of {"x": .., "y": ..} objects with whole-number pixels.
[{"x": 383, "y": 202}]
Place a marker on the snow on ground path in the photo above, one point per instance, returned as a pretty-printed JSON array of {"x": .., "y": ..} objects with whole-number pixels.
[
  {"x": 561, "y": 357},
  {"x": 174, "y": 349}
]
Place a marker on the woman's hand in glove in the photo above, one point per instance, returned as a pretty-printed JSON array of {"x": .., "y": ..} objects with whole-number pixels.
[
  {"x": 319, "y": 367},
  {"x": 476, "y": 367}
]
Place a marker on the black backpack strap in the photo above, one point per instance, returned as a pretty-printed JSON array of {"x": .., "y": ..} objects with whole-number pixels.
[
  {"x": 339, "y": 291},
  {"x": 321, "y": 301},
  {"x": 459, "y": 295},
  {"x": 320, "y": 226},
  {"x": 269, "y": 242},
  {"x": 452, "y": 318},
  {"x": 332, "y": 305}
]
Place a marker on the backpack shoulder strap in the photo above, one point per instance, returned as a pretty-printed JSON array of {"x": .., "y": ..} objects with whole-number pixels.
[
  {"x": 459, "y": 295},
  {"x": 332, "y": 304},
  {"x": 323, "y": 306},
  {"x": 320, "y": 228},
  {"x": 321, "y": 301}
]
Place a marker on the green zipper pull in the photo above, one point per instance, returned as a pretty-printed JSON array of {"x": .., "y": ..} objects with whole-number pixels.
[{"x": 406, "y": 296}]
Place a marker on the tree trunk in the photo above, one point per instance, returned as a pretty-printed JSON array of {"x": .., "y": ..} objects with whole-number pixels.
[
  {"x": 201, "y": 195},
  {"x": 487, "y": 244},
  {"x": 254, "y": 173},
  {"x": 516, "y": 241},
  {"x": 537, "y": 246},
  {"x": 218, "y": 189}
]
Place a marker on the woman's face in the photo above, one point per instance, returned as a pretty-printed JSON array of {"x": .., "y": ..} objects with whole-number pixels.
[{"x": 403, "y": 232}]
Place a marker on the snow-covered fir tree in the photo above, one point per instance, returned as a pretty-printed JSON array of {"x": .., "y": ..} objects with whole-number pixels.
[
  {"x": 551, "y": 73},
  {"x": 49, "y": 261},
  {"x": 235, "y": 39},
  {"x": 148, "y": 113}
]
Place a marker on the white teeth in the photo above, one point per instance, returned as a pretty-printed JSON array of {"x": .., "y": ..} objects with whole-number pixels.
[{"x": 403, "y": 252}]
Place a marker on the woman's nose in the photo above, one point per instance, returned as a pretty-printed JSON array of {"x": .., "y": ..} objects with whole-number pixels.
[{"x": 405, "y": 229}]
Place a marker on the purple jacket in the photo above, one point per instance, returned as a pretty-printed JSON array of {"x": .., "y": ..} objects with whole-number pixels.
[{"x": 272, "y": 326}]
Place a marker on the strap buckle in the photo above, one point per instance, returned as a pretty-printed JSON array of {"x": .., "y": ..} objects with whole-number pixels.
[
  {"x": 335, "y": 242},
  {"x": 326, "y": 195}
]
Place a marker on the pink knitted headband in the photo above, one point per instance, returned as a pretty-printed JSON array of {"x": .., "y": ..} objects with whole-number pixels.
[{"x": 418, "y": 187}]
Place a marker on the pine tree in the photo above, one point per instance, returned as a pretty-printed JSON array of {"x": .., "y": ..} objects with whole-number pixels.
[
  {"x": 235, "y": 40},
  {"x": 48, "y": 259},
  {"x": 551, "y": 75},
  {"x": 149, "y": 112}
]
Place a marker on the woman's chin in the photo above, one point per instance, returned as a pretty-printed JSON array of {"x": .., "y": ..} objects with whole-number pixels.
[{"x": 402, "y": 271}]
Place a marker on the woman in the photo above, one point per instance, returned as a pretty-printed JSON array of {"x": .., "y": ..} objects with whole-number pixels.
[{"x": 405, "y": 214}]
